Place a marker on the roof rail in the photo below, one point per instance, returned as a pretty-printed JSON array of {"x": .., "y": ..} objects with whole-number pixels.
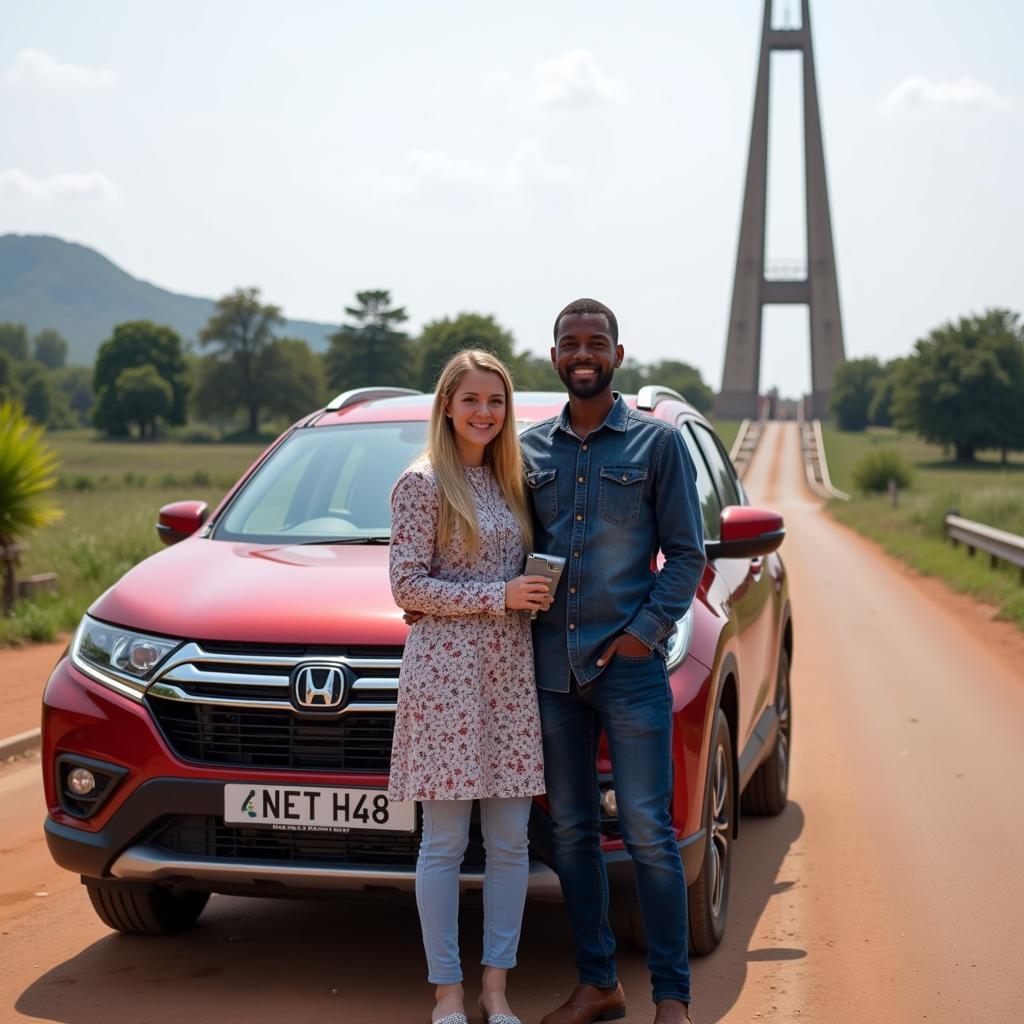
[
  {"x": 357, "y": 395},
  {"x": 649, "y": 396}
]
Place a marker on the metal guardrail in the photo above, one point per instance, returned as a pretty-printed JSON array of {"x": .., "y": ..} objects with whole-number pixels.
[
  {"x": 745, "y": 444},
  {"x": 999, "y": 545},
  {"x": 815, "y": 463}
]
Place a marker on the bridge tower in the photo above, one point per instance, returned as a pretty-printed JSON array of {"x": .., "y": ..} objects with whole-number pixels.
[{"x": 814, "y": 285}]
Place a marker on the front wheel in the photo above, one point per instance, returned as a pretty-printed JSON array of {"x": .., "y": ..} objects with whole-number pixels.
[
  {"x": 709, "y": 894},
  {"x": 160, "y": 910}
]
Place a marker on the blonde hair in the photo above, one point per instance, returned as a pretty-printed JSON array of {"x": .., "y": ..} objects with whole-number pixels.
[{"x": 502, "y": 454}]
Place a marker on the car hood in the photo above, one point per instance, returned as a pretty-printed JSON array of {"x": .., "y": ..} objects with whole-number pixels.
[{"x": 201, "y": 589}]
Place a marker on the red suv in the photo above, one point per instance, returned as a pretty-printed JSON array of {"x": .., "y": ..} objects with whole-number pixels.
[{"x": 222, "y": 720}]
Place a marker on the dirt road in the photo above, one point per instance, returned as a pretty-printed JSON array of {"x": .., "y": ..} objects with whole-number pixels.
[
  {"x": 890, "y": 890},
  {"x": 23, "y": 675}
]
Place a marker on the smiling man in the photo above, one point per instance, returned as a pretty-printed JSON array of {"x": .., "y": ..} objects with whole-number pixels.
[{"x": 610, "y": 488}]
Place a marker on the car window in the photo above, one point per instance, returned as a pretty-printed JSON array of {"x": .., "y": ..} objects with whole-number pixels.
[
  {"x": 719, "y": 464},
  {"x": 710, "y": 506},
  {"x": 323, "y": 483}
]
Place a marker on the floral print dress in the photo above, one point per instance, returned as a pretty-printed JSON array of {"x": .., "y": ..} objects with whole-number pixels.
[{"x": 467, "y": 724}]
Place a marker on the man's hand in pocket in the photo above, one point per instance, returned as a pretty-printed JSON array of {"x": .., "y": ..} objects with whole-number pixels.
[{"x": 624, "y": 643}]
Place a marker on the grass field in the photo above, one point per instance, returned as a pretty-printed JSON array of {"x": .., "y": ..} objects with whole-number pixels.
[
  {"x": 988, "y": 492},
  {"x": 110, "y": 493}
]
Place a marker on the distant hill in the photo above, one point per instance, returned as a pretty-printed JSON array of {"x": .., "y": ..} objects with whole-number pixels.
[{"x": 47, "y": 282}]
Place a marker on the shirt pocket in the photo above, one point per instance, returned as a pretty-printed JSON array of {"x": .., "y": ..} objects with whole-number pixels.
[
  {"x": 544, "y": 494},
  {"x": 621, "y": 490}
]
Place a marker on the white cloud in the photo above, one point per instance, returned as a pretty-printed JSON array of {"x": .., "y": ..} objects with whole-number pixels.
[
  {"x": 918, "y": 95},
  {"x": 574, "y": 79},
  {"x": 16, "y": 184},
  {"x": 427, "y": 173},
  {"x": 33, "y": 67}
]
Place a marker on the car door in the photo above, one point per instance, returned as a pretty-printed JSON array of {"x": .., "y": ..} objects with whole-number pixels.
[{"x": 750, "y": 591}]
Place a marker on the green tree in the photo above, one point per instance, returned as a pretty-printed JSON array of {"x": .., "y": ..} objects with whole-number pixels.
[
  {"x": 144, "y": 396},
  {"x": 370, "y": 350},
  {"x": 74, "y": 383},
  {"x": 441, "y": 339},
  {"x": 288, "y": 382},
  {"x": 27, "y": 471},
  {"x": 136, "y": 344},
  {"x": 964, "y": 385},
  {"x": 36, "y": 392},
  {"x": 880, "y": 410},
  {"x": 685, "y": 379},
  {"x": 8, "y": 384},
  {"x": 50, "y": 348},
  {"x": 14, "y": 340},
  {"x": 630, "y": 377},
  {"x": 241, "y": 328},
  {"x": 292, "y": 377},
  {"x": 853, "y": 390},
  {"x": 533, "y": 373}
]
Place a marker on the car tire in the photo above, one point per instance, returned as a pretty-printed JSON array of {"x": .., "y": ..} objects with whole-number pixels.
[
  {"x": 160, "y": 910},
  {"x": 708, "y": 897},
  {"x": 768, "y": 790}
]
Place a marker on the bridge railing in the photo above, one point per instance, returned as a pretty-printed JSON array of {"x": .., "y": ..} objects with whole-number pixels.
[
  {"x": 745, "y": 443},
  {"x": 815, "y": 463},
  {"x": 999, "y": 545}
]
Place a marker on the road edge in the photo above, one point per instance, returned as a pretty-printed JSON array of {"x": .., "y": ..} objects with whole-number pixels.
[{"x": 19, "y": 743}]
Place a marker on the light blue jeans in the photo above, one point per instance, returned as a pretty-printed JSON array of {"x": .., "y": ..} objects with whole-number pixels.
[{"x": 445, "y": 837}]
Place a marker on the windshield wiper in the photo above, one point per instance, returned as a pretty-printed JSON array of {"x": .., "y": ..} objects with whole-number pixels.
[{"x": 383, "y": 538}]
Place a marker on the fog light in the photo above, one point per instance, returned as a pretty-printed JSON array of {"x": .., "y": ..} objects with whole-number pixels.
[
  {"x": 609, "y": 804},
  {"x": 81, "y": 781}
]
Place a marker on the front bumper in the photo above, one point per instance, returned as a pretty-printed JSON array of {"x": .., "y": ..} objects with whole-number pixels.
[{"x": 124, "y": 852}]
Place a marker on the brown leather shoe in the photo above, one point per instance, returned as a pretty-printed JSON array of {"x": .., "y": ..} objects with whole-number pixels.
[
  {"x": 672, "y": 1011},
  {"x": 590, "y": 1003}
]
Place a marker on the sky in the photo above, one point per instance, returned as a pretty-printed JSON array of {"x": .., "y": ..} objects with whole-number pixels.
[{"x": 505, "y": 159}]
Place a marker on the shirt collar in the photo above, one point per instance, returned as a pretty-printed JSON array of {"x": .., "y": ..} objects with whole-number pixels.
[{"x": 616, "y": 418}]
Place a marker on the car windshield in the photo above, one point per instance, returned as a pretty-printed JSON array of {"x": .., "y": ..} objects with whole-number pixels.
[{"x": 324, "y": 484}]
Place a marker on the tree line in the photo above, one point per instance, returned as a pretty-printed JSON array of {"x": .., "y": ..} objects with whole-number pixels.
[
  {"x": 962, "y": 386},
  {"x": 34, "y": 372},
  {"x": 245, "y": 372}
]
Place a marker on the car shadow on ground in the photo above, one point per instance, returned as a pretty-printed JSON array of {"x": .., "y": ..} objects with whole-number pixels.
[{"x": 360, "y": 960}]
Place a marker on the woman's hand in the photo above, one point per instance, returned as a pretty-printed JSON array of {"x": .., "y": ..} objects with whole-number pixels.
[{"x": 528, "y": 593}]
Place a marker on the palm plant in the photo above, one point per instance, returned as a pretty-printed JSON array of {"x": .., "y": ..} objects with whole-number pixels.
[{"x": 27, "y": 468}]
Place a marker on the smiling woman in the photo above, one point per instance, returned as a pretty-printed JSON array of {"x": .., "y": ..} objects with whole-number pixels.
[{"x": 467, "y": 726}]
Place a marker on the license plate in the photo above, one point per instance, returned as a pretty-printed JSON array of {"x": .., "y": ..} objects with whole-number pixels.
[{"x": 316, "y": 809}]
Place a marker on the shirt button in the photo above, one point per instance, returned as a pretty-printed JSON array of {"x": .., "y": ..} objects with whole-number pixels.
[
  {"x": 579, "y": 479},
  {"x": 572, "y": 590},
  {"x": 575, "y": 554},
  {"x": 624, "y": 477},
  {"x": 585, "y": 447},
  {"x": 579, "y": 519},
  {"x": 572, "y": 625}
]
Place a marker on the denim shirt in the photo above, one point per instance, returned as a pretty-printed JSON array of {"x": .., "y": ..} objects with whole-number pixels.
[{"x": 608, "y": 503}]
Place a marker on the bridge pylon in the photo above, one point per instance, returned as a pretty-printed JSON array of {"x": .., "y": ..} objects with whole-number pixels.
[{"x": 754, "y": 286}]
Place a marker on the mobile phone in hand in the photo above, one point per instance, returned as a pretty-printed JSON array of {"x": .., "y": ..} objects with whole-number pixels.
[{"x": 548, "y": 566}]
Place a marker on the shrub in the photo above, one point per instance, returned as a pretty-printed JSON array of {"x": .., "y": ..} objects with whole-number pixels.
[{"x": 873, "y": 472}]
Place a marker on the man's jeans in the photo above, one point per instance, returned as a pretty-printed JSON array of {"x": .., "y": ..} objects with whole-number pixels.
[{"x": 632, "y": 702}]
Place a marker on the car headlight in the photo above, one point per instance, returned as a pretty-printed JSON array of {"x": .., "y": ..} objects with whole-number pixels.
[
  {"x": 121, "y": 659},
  {"x": 679, "y": 642}
]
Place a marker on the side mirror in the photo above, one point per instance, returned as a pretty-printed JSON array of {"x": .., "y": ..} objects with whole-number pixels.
[
  {"x": 746, "y": 533},
  {"x": 180, "y": 519}
]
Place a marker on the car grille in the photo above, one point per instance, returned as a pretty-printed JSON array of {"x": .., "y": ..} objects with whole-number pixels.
[
  {"x": 228, "y": 704},
  {"x": 207, "y": 836}
]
